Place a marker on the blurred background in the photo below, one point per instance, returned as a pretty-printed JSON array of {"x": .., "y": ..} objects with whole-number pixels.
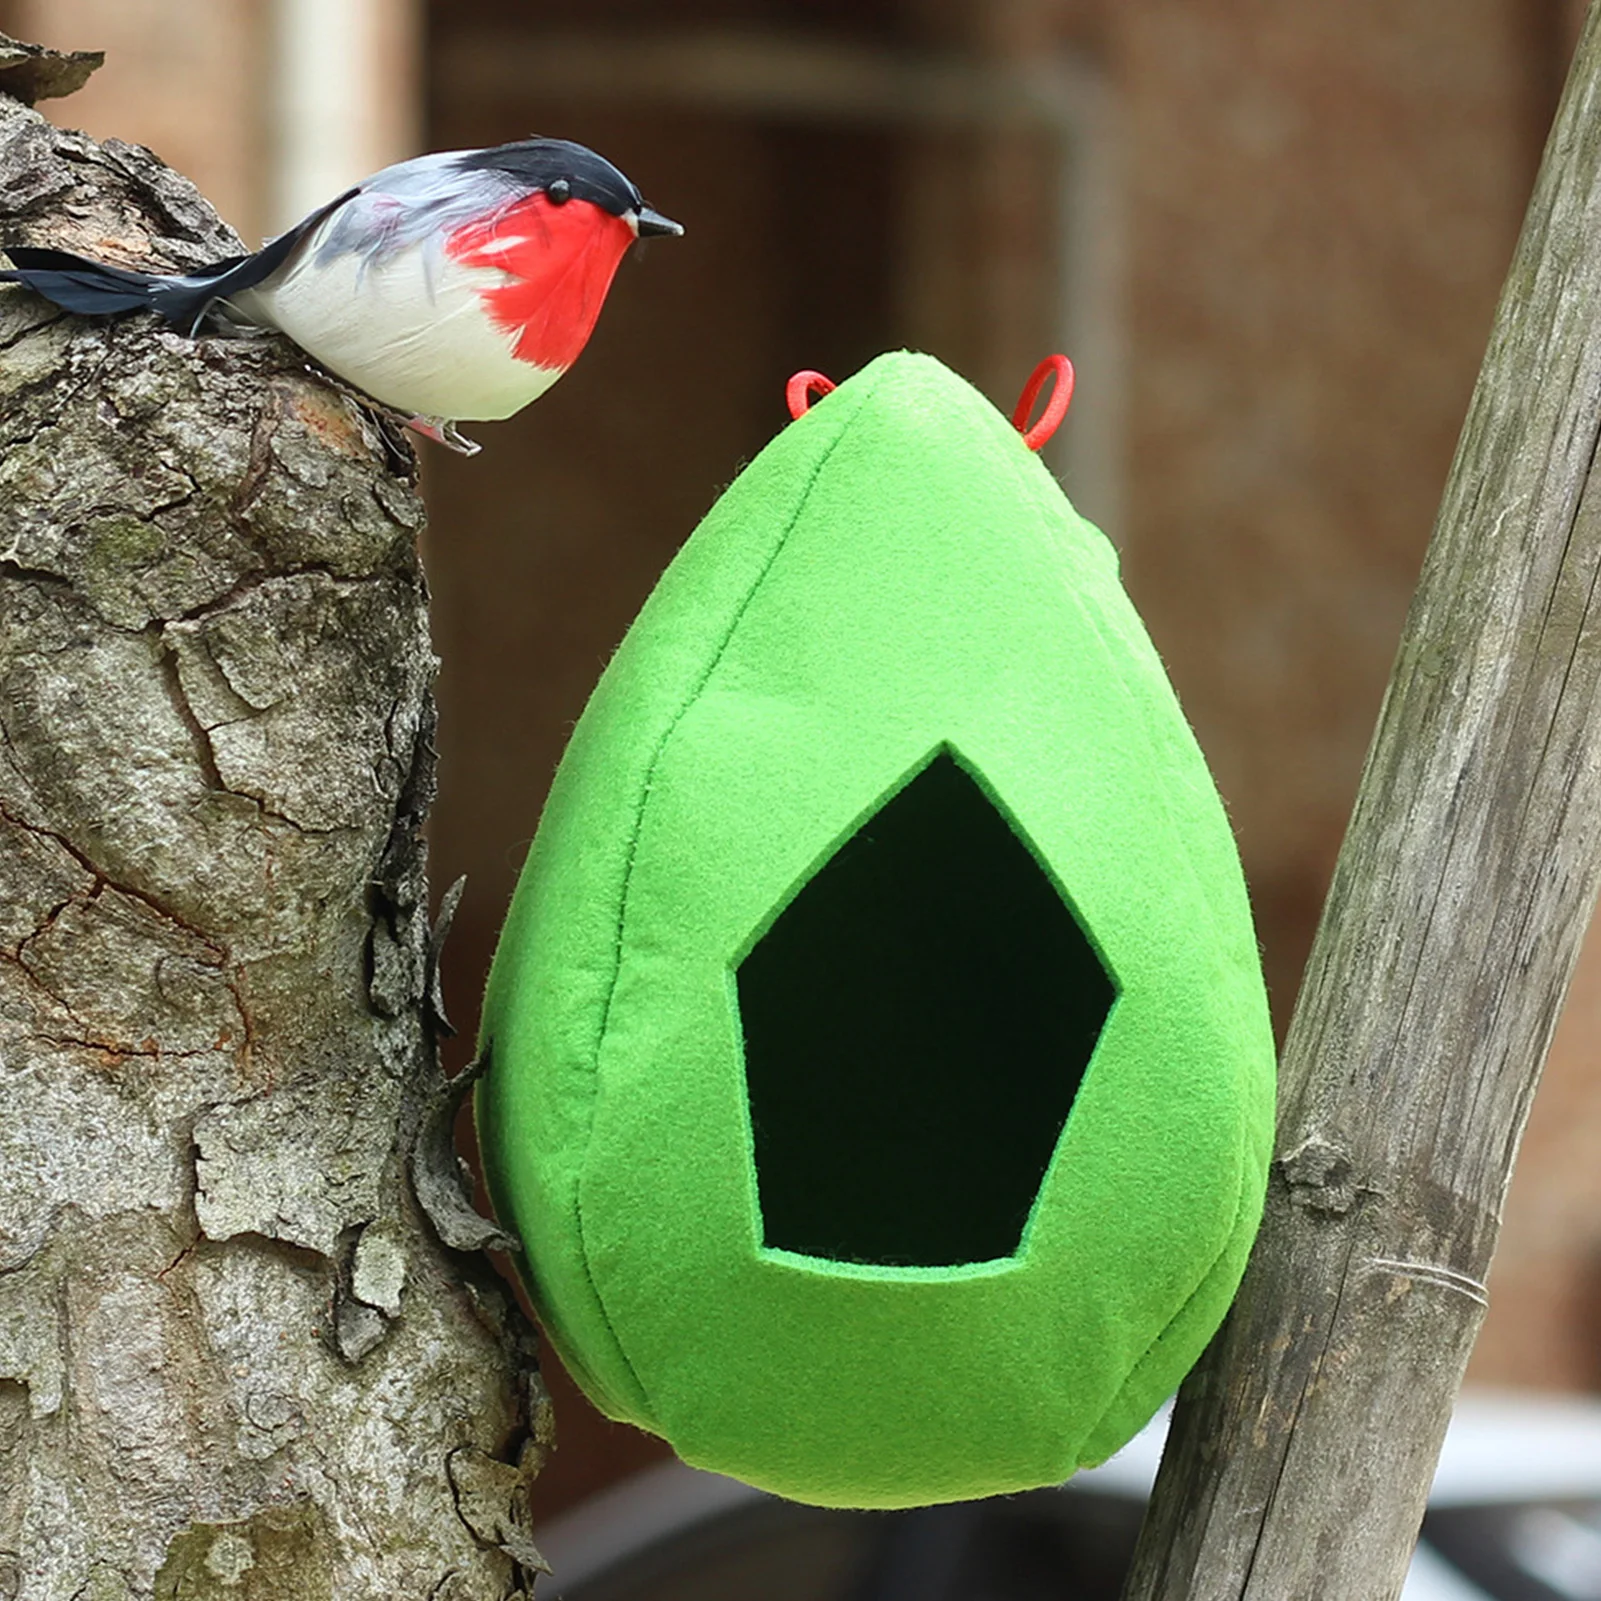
[{"x": 1269, "y": 232}]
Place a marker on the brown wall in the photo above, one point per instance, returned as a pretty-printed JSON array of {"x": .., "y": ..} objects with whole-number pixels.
[
  {"x": 186, "y": 79},
  {"x": 1324, "y": 200},
  {"x": 196, "y": 81},
  {"x": 1544, "y": 1327}
]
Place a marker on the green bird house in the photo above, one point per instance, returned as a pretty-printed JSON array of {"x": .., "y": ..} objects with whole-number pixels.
[{"x": 879, "y": 1075}]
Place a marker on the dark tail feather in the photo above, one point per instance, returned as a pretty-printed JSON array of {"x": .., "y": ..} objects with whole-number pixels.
[
  {"x": 95, "y": 289},
  {"x": 75, "y": 283}
]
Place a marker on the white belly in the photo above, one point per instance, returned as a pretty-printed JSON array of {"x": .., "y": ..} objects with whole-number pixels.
[{"x": 416, "y": 339}]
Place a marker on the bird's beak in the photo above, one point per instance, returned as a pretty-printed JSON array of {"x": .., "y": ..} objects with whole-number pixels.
[{"x": 652, "y": 223}]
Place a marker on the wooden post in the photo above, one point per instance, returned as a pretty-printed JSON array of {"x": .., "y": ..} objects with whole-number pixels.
[{"x": 1305, "y": 1441}]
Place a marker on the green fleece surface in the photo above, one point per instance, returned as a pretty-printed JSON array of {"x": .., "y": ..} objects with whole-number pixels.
[{"x": 895, "y": 581}]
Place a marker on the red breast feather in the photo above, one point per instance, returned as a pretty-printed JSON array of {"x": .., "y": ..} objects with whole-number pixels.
[{"x": 558, "y": 263}]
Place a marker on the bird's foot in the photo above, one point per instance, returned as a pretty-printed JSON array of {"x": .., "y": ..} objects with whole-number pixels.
[
  {"x": 219, "y": 321},
  {"x": 443, "y": 433}
]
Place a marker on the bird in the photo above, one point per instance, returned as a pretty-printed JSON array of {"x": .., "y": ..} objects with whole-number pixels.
[{"x": 456, "y": 286}]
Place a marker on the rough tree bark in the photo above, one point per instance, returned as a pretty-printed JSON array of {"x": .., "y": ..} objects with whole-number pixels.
[
  {"x": 234, "y": 1360},
  {"x": 1304, "y": 1442}
]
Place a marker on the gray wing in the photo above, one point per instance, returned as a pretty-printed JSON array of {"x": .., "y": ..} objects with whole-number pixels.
[
  {"x": 422, "y": 201},
  {"x": 417, "y": 202}
]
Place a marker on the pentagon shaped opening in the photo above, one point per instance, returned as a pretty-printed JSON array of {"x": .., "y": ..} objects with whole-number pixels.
[{"x": 917, "y": 1022}]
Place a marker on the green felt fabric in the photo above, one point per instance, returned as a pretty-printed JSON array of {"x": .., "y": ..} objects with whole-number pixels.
[{"x": 894, "y": 577}]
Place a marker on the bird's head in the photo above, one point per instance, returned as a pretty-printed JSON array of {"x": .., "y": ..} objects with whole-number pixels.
[{"x": 567, "y": 218}]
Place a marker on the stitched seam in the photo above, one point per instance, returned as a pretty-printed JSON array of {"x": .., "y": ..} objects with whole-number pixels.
[
  {"x": 642, "y": 1400},
  {"x": 1211, "y": 913},
  {"x": 1111, "y": 648},
  {"x": 1205, "y": 1280},
  {"x": 633, "y": 849}
]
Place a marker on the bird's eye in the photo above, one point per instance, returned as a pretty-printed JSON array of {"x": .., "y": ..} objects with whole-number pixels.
[{"x": 559, "y": 192}]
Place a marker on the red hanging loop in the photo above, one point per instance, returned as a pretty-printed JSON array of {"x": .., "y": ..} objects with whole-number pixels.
[
  {"x": 1056, "y": 407},
  {"x": 798, "y": 391}
]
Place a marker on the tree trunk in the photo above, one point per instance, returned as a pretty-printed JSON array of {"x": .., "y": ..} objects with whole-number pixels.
[
  {"x": 234, "y": 1360},
  {"x": 1304, "y": 1442}
]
